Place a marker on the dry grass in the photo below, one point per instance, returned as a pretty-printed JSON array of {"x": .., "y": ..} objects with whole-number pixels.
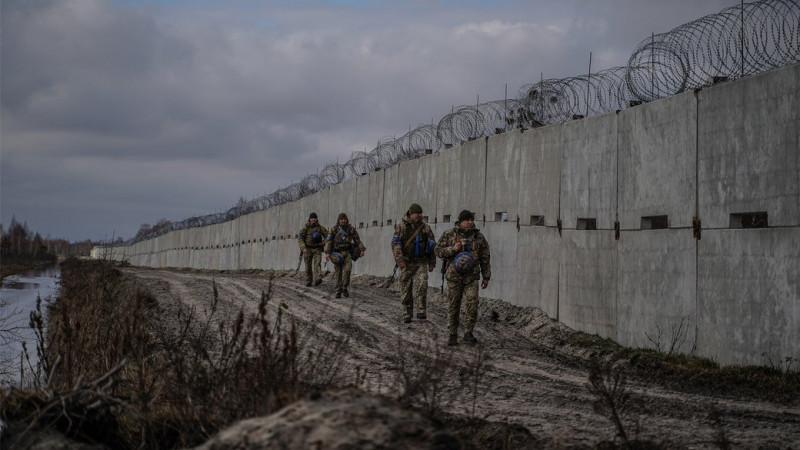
[{"x": 114, "y": 371}]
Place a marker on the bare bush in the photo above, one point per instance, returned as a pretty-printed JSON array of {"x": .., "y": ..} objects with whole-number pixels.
[
  {"x": 670, "y": 344},
  {"x": 607, "y": 384}
]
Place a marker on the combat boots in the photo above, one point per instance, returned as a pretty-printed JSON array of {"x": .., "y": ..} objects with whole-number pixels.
[
  {"x": 469, "y": 338},
  {"x": 453, "y": 340},
  {"x": 345, "y": 293}
]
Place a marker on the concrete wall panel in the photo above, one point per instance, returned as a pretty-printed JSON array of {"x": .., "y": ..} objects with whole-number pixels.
[
  {"x": 657, "y": 162},
  {"x": 448, "y": 185},
  {"x": 748, "y": 149},
  {"x": 540, "y": 173},
  {"x": 472, "y": 186},
  {"x": 378, "y": 259},
  {"x": 361, "y": 215},
  {"x": 502, "y": 177},
  {"x": 656, "y": 280},
  {"x": 376, "y": 198},
  {"x": 587, "y": 281},
  {"x": 393, "y": 206},
  {"x": 537, "y": 279},
  {"x": 748, "y": 295},
  {"x": 589, "y": 171},
  {"x": 417, "y": 184},
  {"x": 502, "y": 238}
]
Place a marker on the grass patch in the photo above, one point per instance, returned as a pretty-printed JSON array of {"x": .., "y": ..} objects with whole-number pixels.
[{"x": 695, "y": 374}]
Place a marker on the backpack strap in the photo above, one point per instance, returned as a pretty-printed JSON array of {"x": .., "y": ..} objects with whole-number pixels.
[{"x": 413, "y": 235}]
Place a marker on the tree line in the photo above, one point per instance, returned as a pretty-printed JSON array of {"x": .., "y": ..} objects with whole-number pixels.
[{"x": 19, "y": 243}]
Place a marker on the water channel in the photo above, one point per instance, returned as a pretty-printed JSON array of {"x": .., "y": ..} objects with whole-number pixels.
[{"x": 18, "y": 296}]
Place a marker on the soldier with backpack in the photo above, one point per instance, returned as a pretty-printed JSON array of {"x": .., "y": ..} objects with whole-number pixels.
[
  {"x": 342, "y": 247},
  {"x": 312, "y": 240},
  {"x": 466, "y": 252},
  {"x": 412, "y": 245}
]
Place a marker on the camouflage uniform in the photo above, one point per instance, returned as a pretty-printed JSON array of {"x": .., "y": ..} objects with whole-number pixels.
[
  {"x": 314, "y": 257},
  {"x": 464, "y": 285},
  {"x": 418, "y": 261},
  {"x": 343, "y": 239}
]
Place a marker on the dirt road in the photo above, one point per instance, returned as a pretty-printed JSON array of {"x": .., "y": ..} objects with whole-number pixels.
[{"x": 528, "y": 378}]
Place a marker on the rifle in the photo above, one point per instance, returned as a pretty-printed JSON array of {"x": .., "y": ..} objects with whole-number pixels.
[
  {"x": 299, "y": 261},
  {"x": 391, "y": 278},
  {"x": 444, "y": 269}
]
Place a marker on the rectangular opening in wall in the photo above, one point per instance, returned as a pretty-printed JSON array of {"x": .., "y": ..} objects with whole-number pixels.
[
  {"x": 749, "y": 220},
  {"x": 425, "y": 218},
  {"x": 273, "y": 238},
  {"x": 360, "y": 224},
  {"x": 388, "y": 221},
  {"x": 587, "y": 223},
  {"x": 655, "y": 222},
  {"x": 446, "y": 218},
  {"x": 501, "y": 217},
  {"x": 374, "y": 223},
  {"x": 537, "y": 221}
]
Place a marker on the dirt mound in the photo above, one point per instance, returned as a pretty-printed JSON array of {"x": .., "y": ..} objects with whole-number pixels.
[{"x": 335, "y": 420}]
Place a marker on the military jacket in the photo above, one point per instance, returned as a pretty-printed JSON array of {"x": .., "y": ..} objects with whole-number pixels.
[
  {"x": 306, "y": 235},
  {"x": 473, "y": 241},
  {"x": 341, "y": 238},
  {"x": 416, "y": 250}
]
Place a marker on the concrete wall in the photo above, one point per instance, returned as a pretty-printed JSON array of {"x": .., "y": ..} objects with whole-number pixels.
[{"x": 665, "y": 261}]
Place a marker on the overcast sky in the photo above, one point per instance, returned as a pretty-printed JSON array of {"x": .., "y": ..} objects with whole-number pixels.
[{"x": 119, "y": 113}]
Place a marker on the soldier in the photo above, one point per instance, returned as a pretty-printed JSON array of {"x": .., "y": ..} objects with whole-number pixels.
[
  {"x": 466, "y": 253},
  {"x": 312, "y": 239},
  {"x": 412, "y": 244},
  {"x": 344, "y": 240}
]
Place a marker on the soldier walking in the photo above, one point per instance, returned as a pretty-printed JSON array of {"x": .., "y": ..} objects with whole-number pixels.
[
  {"x": 344, "y": 243},
  {"x": 413, "y": 247},
  {"x": 312, "y": 240},
  {"x": 466, "y": 252}
]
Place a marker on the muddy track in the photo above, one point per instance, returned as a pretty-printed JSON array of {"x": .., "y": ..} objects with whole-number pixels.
[{"x": 526, "y": 381}]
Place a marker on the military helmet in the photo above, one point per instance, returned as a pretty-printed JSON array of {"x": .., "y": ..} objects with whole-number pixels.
[
  {"x": 316, "y": 237},
  {"x": 463, "y": 263},
  {"x": 337, "y": 258}
]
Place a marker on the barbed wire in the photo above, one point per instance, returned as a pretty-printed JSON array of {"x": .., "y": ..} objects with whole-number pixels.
[{"x": 738, "y": 41}]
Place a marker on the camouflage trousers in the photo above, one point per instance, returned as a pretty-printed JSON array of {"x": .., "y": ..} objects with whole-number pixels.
[
  {"x": 414, "y": 278},
  {"x": 313, "y": 264},
  {"x": 341, "y": 272},
  {"x": 456, "y": 292}
]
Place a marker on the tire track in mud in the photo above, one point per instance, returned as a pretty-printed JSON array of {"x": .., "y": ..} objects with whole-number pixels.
[{"x": 525, "y": 382}]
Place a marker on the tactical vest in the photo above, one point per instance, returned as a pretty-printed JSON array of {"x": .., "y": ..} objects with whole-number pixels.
[
  {"x": 341, "y": 240},
  {"x": 420, "y": 246}
]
